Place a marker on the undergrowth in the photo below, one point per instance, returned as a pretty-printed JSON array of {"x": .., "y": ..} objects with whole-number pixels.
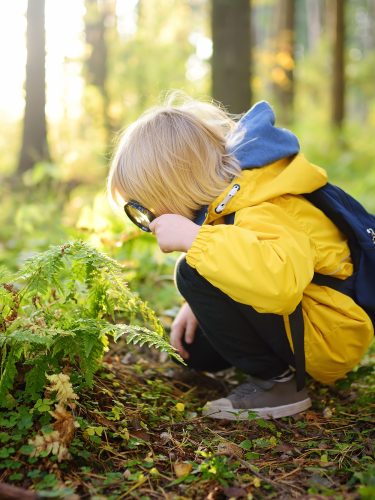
[
  {"x": 139, "y": 434},
  {"x": 58, "y": 312},
  {"x": 79, "y": 422}
]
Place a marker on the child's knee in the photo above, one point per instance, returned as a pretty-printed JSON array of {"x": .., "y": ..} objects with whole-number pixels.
[{"x": 184, "y": 276}]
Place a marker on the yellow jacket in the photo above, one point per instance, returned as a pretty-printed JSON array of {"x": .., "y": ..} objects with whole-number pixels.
[{"x": 268, "y": 257}]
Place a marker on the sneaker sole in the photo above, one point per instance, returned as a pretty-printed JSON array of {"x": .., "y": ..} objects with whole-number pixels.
[{"x": 266, "y": 413}]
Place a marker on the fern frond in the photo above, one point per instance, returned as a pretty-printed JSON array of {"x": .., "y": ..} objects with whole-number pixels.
[
  {"x": 143, "y": 336},
  {"x": 28, "y": 336},
  {"x": 6, "y": 302},
  {"x": 61, "y": 384},
  {"x": 61, "y": 314},
  {"x": 41, "y": 272},
  {"x": 8, "y": 374},
  {"x": 35, "y": 377},
  {"x": 5, "y": 275}
]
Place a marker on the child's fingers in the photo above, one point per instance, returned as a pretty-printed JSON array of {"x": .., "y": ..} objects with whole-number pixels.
[
  {"x": 177, "y": 334},
  {"x": 152, "y": 225},
  {"x": 190, "y": 332},
  {"x": 180, "y": 348}
]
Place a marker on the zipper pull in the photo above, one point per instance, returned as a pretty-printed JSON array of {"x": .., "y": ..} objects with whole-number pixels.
[{"x": 228, "y": 197}]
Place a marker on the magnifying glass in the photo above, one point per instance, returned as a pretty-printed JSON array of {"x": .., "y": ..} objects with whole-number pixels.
[{"x": 139, "y": 215}]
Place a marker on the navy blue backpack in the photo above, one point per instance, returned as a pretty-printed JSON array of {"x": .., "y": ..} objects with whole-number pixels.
[{"x": 359, "y": 227}]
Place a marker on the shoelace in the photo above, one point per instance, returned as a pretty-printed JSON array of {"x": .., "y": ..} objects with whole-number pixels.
[{"x": 284, "y": 377}]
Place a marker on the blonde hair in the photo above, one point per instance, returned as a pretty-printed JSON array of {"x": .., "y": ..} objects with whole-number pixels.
[{"x": 173, "y": 159}]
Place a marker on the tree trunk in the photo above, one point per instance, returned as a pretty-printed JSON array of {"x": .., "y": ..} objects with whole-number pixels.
[
  {"x": 34, "y": 141},
  {"x": 338, "y": 66},
  {"x": 97, "y": 19},
  {"x": 283, "y": 73},
  {"x": 231, "y": 58},
  {"x": 313, "y": 11},
  {"x": 95, "y": 26}
]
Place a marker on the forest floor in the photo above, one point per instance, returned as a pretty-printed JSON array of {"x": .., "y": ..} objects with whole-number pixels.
[{"x": 141, "y": 436}]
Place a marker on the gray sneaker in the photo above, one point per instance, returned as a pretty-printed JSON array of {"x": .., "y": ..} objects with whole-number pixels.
[{"x": 273, "y": 398}]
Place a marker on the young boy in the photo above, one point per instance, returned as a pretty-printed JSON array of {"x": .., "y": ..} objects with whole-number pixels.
[{"x": 191, "y": 165}]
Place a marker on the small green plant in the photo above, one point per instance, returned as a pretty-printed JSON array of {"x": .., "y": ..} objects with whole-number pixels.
[{"x": 59, "y": 312}]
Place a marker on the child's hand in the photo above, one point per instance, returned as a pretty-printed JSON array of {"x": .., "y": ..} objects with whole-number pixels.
[
  {"x": 184, "y": 325},
  {"x": 174, "y": 232}
]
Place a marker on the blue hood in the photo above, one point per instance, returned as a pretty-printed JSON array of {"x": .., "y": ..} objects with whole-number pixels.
[{"x": 256, "y": 142}]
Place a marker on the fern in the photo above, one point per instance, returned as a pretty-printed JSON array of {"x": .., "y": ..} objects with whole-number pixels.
[
  {"x": 60, "y": 308},
  {"x": 36, "y": 376},
  {"x": 41, "y": 272},
  {"x": 141, "y": 336},
  {"x": 8, "y": 373}
]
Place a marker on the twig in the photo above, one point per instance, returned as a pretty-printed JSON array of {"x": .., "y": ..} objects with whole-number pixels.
[{"x": 9, "y": 492}]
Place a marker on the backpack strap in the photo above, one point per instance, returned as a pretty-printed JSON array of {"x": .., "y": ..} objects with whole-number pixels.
[
  {"x": 297, "y": 330},
  {"x": 345, "y": 286},
  {"x": 229, "y": 218}
]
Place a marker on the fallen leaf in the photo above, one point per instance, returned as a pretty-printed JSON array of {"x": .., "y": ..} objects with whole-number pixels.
[
  {"x": 141, "y": 434},
  {"x": 310, "y": 416},
  {"x": 229, "y": 449},
  {"x": 233, "y": 492},
  {"x": 182, "y": 468}
]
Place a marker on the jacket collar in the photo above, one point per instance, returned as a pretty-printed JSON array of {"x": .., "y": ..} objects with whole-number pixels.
[{"x": 294, "y": 176}]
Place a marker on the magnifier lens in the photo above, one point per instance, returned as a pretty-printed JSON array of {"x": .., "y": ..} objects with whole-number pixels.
[{"x": 139, "y": 215}]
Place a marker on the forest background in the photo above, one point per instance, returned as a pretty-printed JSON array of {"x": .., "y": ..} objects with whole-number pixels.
[
  {"x": 75, "y": 73},
  {"x": 107, "y": 61}
]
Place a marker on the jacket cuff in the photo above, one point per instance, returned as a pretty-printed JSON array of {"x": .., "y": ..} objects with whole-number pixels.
[{"x": 199, "y": 246}]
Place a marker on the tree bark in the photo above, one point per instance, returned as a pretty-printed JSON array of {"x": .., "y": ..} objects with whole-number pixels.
[
  {"x": 95, "y": 27},
  {"x": 284, "y": 68},
  {"x": 98, "y": 15},
  {"x": 231, "y": 59},
  {"x": 34, "y": 141},
  {"x": 313, "y": 11},
  {"x": 338, "y": 66}
]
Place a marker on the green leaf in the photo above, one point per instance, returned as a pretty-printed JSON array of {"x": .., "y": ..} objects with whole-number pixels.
[
  {"x": 246, "y": 444},
  {"x": 26, "y": 449},
  {"x": 6, "y": 452}
]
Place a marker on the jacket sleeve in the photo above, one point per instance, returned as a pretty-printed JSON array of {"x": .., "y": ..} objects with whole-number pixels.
[{"x": 264, "y": 260}]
